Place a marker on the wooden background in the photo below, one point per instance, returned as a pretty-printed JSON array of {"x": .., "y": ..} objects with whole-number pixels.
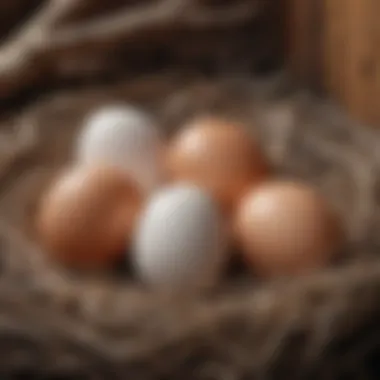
[{"x": 334, "y": 46}]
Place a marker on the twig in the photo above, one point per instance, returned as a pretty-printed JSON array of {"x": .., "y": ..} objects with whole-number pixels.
[{"x": 37, "y": 49}]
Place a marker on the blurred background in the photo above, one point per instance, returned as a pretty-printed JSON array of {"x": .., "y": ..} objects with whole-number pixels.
[
  {"x": 303, "y": 74},
  {"x": 49, "y": 44}
]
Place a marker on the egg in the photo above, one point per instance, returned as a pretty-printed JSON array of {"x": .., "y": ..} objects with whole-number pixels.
[
  {"x": 125, "y": 137},
  {"x": 219, "y": 156},
  {"x": 86, "y": 216},
  {"x": 179, "y": 241},
  {"x": 286, "y": 228}
]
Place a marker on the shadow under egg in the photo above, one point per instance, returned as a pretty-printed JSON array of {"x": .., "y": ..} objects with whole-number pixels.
[{"x": 122, "y": 267}]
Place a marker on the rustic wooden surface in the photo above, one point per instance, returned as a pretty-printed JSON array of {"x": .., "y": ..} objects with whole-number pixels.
[{"x": 334, "y": 47}]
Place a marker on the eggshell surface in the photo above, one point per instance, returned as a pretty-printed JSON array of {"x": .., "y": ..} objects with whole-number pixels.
[
  {"x": 86, "y": 216},
  {"x": 125, "y": 137},
  {"x": 287, "y": 228},
  {"x": 218, "y": 155},
  {"x": 180, "y": 240}
]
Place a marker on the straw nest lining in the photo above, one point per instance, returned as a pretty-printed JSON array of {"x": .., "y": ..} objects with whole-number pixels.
[{"x": 322, "y": 327}]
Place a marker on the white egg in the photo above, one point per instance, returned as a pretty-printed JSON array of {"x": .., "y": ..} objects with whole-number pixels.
[
  {"x": 180, "y": 240},
  {"x": 125, "y": 137}
]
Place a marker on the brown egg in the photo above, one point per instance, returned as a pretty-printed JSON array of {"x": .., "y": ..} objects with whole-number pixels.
[
  {"x": 287, "y": 228},
  {"x": 219, "y": 156},
  {"x": 86, "y": 217}
]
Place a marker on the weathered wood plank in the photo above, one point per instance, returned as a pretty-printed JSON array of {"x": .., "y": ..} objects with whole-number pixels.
[{"x": 334, "y": 44}]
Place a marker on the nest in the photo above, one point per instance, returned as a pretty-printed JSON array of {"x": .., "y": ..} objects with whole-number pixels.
[{"x": 55, "y": 324}]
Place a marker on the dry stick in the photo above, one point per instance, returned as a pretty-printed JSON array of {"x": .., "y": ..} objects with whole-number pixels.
[
  {"x": 17, "y": 66},
  {"x": 22, "y": 58},
  {"x": 16, "y": 147},
  {"x": 362, "y": 175},
  {"x": 37, "y": 29},
  {"x": 129, "y": 22}
]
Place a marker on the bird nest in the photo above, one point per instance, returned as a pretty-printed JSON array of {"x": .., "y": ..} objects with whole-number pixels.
[
  {"x": 55, "y": 324},
  {"x": 78, "y": 326}
]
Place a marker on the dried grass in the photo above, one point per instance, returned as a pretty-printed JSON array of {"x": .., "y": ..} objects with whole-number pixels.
[{"x": 59, "y": 325}]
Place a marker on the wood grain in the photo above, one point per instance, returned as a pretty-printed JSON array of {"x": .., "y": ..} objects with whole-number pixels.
[
  {"x": 358, "y": 59},
  {"x": 336, "y": 43}
]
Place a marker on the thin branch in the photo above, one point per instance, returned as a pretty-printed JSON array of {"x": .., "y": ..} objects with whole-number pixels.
[
  {"x": 37, "y": 49},
  {"x": 129, "y": 22}
]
